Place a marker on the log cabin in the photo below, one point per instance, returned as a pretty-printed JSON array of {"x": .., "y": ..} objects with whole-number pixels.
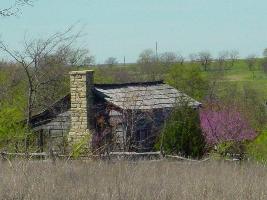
[{"x": 127, "y": 116}]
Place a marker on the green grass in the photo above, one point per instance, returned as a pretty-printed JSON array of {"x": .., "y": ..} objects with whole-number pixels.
[
  {"x": 258, "y": 148},
  {"x": 240, "y": 75}
]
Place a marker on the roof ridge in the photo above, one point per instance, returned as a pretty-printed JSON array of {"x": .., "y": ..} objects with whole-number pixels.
[{"x": 129, "y": 84}]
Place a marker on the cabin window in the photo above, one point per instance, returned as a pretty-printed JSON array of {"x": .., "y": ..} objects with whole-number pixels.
[{"x": 142, "y": 135}]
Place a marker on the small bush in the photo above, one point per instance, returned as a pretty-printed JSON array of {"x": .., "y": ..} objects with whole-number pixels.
[
  {"x": 257, "y": 149},
  {"x": 182, "y": 133},
  {"x": 80, "y": 147},
  {"x": 229, "y": 149}
]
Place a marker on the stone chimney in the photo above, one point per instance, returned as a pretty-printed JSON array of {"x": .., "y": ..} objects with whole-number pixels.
[{"x": 81, "y": 84}]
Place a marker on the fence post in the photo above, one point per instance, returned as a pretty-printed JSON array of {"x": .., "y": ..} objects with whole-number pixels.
[{"x": 3, "y": 156}]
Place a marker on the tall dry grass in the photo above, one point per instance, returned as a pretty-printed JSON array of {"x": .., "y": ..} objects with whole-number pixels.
[{"x": 132, "y": 180}]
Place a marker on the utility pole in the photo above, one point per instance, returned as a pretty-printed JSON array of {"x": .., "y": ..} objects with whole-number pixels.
[
  {"x": 157, "y": 50},
  {"x": 124, "y": 60}
]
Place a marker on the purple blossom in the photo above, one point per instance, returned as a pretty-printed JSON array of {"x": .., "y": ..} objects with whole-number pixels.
[{"x": 225, "y": 124}]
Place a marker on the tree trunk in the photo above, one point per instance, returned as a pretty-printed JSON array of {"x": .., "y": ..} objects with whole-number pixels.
[
  {"x": 29, "y": 115},
  {"x": 29, "y": 109}
]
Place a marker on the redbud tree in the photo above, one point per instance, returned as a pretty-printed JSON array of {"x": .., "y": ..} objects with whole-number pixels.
[{"x": 224, "y": 123}]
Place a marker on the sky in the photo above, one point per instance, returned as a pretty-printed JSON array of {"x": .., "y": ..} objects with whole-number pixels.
[{"x": 118, "y": 28}]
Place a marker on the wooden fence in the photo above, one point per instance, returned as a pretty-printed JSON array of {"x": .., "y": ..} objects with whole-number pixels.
[{"x": 111, "y": 156}]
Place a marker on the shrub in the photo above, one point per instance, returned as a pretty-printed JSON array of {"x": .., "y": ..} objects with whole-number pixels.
[
  {"x": 81, "y": 147},
  {"x": 182, "y": 133},
  {"x": 257, "y": 149},
  {"x": 230, "y": 149}
]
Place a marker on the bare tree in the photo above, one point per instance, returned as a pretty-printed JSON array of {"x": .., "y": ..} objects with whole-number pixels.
[
  {"x": 251, "y": 61},
  {"x": 132, "y": 126},
  {"x": 117, "y": 127},
  {"x": 222, "y": 58},
  {"x": 149, "y": 65},
  {"x": 180, "y": 59},
  {"x": 111, "y": 61},
  {"x": 138, "y": 124},
  {"x": 75, "y": 56},
  {"x": 264, "y": 61},
  {"x": 205, "y": 59},
  {"x": 233, "y": 56},
  {"x": 168, "y": 58},
  {"x": 147, "y": 56},
  {"x": 264, "y": 53},
  {"x": 31, "y": 58},
  {"x": 14, "y": 8},
  {"x": 193, "y": 57},
  {"x": 88, "y": 60}
]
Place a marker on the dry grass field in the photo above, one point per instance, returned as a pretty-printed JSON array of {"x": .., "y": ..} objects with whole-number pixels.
[{"x": 132, "y": 180}]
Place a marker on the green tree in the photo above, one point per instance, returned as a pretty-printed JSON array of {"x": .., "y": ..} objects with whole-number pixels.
[
  {"x": 182, "y": 133},
  {"x": 188, "y": 79},
  {"x": 11, "y": 131}
]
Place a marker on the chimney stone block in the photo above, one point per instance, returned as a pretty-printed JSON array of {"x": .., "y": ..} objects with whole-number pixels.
[{"x": 81, "y": 84}]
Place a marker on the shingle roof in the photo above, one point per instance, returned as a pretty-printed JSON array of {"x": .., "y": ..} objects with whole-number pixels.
[{"x": 143, "y": 96}]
